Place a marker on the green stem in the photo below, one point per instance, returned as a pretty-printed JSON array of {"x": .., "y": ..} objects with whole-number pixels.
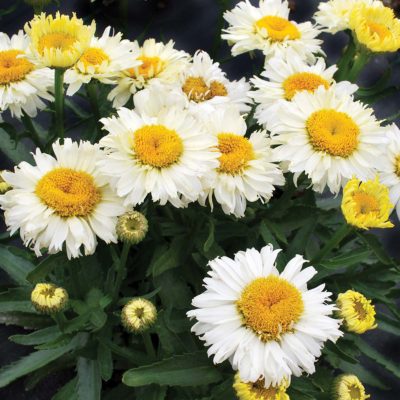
[
  {"x": 59, "y": 101},
  {"x": 27, "y": 121},
  {"x": 148, "y": 344},
  {"x": 345, "y": 61},
  {"x": 91, "y": 89},
  {"x": 335, "y": 240},
  {"x": 360, "y": 59},
  {"x": 60, "y": 320},
  {"x": 121, "y": 269}
]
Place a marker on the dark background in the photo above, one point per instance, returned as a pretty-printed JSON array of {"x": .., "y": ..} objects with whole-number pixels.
[{"x": 196, "y": 24}]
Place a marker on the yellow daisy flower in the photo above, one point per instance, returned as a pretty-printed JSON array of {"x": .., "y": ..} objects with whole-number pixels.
[
  {"x": 357, "y": 312},
  {"x": 59, "y": 41},
  {"x": 48, "y": 298},
  {"x": 258, "y": 391},
  {"x": 366, "y": 204},
  {"x": 349, "y": 387},
  {"x": 376, "y": 27}
]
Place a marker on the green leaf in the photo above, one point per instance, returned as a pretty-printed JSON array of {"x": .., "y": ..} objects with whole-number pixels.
[
  {"x": 15, "y": 151},
  {"x": 388, "y": 324},
  {"x": 185, "y": 370},
  {"x": 37, "y": 337},
  {"x": 104, "y": 358},
  {"x": 89, "y": 379},
  {"x": 375, "y": 245},
  {"x": 378, "y": 357},
  {"x": 32, "y": 362},
  {"x": 16, "y": 266},
  {"x": 67, "y": 392},
  {"x": 210, "y": 239},
  {"x": 45, "y": 267},
  {"x": 25, "y": 320},
  {"x": 346, "y": 260},
  {"x": 168, "y": 259},
  {"x": 13, "y": 306},
  {"x": 267, "y": 235}
]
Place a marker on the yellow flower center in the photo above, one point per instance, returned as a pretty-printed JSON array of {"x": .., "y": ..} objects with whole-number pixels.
[
  {"x": 261, "y": 392},
  {"x": 197, "y": 90},
  {"x": 236, "y": 151},
  {"x": 365, "y": 203},
  {"x": 68, "y": 192},
  {"x": 360, "y": 310},
  {"x": 157, "y": 146},
  {"x": 56, "y": 40},
  {"x": 333, "y": 132},
  {"x": 150, "y": 67},
  {"x": 302, "y": 81},
  {"x": 278, "y": 28},
  {"x": 381, "y": 30},
  {"x": 354, "y": 392},
  {"x": 94, "y": 57},
  {"x": 270, "y": 307},
  {"x": 12, "y": 67}
]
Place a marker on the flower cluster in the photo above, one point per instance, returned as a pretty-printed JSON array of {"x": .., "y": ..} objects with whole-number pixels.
[{"x": 181, "y": 133}]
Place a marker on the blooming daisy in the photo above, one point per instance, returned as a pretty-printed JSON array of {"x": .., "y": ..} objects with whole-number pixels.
[
  {"x": 334, "y": 15},
  {"x": 330, "y": 137},
  {"x": 357, "y": 312},
  {"x": 62, "y": 200},
  {"x": 58, "y": 41},
  {"x": 258, "y": 391},
  {"x": 23, "y": 85},
  {"x": 349, "y": 387},
  {"x": 376, "y": 27},
  {"x": 269, "y": 29},
  {"x": 268, "y": 324},
  {"x": 366, "y": 204},
  {"x": 288, "y": 77},
  {"x": 390, "y": 173},
  {"x": 164, "y": 155},
  {"x": 159, "y": 62},
  {"x": 204, "y": 86},
  {"x": 104, "y": 60},
  {"x": 245, "y": 171}
]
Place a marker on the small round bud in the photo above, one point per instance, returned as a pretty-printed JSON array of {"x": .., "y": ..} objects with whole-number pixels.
[
  {"x": 48, "y": 298},
  {"x": 132, "y": 227},
  {"x": 348, "y": 387},
  {"x": 138, "y": 315},
  {"x": 4, "y": 186},
  {"x": 357, "y": 312}
]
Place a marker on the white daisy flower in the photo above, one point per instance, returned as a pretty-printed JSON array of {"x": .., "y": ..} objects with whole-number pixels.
[
  {"x": 159, "y": 62},
  {"x": 104, "y": 60},
  {"x": 23, "y": 85},
  {"x": 164, "y": 155},
  {"x": 245, "y": 171},
  {"x": 62, "y": 200},
  {"x": 288, "y": 77},
  {"x": 204, "y": 86},
  {"x": 390, "y": 173},
  {"x": 268, "y": 28},
  {"x": 334, "y": 15},
  {"x": 269, "y": 325},
  {"x": 329, "y": 137}
]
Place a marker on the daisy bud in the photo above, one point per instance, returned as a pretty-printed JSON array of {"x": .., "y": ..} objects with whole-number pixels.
[
  {"x": 357, "y": 312},
  {"x": 257, "y": 390},
  {"x": 132, "y": 227},
  {"x": 4, "y": 186},
  {"x": 48, "y": 298},
  {"x": 366, "y": 204},
  {"x": 349, "y": 387},
  {"x": 138, "y": 315}
]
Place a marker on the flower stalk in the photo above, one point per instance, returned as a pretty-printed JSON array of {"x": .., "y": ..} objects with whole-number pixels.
[{"x": 59, "y": 102}]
